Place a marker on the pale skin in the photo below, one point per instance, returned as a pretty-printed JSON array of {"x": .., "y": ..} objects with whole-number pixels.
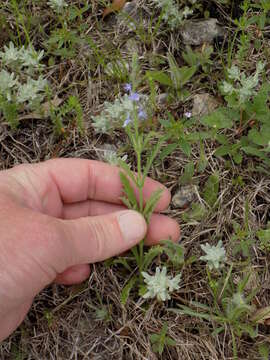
[{"x": 56, "y": 218}]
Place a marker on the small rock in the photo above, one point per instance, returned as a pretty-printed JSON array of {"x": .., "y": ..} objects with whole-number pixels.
[
  {"x": 130, "y": 8},
  {"x": 184, "y": 196},
  {"x": 162, "y": 98},
  {"x": 202, "y": 31},
  {"x": 129, "y": 16},
  {"x": 204, "y": 104}
]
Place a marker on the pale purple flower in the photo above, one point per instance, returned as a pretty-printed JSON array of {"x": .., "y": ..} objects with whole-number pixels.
[
  {"x": 134, "y": 96},
  {"x": 128, "y": 87},
  {"x": 142, "y": 114},
  {"x": 127, "y": 121},
  {"x": 188, "y": 114}
]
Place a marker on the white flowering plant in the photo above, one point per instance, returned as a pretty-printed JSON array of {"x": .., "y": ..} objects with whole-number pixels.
[
  {"x": 215, "y": 255},
  {"x": 160, "y": 285}
]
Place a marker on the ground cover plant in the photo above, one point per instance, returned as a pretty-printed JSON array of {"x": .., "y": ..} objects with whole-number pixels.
[{"x": 179, "y": 91}]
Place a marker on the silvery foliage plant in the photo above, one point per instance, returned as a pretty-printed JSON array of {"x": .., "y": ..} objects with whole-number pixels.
[
  {"x": 240, "y": 87},
  {"x": 170, "y": 12},
  {"x": 160, "y": 285},
  {"x": 215, "y": 255},
  {"x": 57, "y": 5},
  {"x": 21, "y": 81}
]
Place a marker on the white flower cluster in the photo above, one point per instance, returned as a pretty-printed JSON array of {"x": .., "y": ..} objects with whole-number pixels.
[
  {"x": 215, "y": 255},
  {"x": 114, "y": 114},
  {"x": 244, "y": 86},
  {"x": 57, "y": 5},
  {"x": 160, "y": 285},
  {"x": 170, "y": 12},
  {"x": 18, "y": 80}
]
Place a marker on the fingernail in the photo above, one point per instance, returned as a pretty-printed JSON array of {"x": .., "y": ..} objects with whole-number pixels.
[{"x": 132, "y": 225}]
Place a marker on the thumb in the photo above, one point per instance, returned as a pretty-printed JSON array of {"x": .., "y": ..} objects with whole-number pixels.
[{"x": 96, "y": 238}]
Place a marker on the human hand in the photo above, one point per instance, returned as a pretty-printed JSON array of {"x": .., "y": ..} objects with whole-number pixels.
[{"x": 58, "y": 216}]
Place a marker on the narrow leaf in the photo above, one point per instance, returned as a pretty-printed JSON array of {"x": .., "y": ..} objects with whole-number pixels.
[
  {"x": 129, "y": 192},
  {"x": 150, "y": 255},
  {"x": 152, "y": 157},
  {"x": 127, "y": 288},
  {"x": 151, "y": 204},
  {"x": 211, "y": 188}
]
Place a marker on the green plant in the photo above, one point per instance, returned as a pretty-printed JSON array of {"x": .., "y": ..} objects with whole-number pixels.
[
  {"x": 22, "y": 84},
  {"x": 249, "y": 109},
  {"x": 63, "y": 42},
  {"x": 230, "y": 308},
  {"x": 199, "y": 58},
  {"x": 176, "y": 78},
  {"x": 160, "y": 340},
  {"x": 243, "y": 237},
  {"x": 264, "y": 238},
  {"x": 70, "y": 107}
]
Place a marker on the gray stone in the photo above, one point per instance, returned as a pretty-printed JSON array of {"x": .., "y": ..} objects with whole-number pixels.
[
  {"x": 162, "y": 98},
  {"x": 184, "y": 196},
  {"x": 198, "y": 32},
  {"x": 204, "y": 104},
  {"x": 130, "y": 16}
]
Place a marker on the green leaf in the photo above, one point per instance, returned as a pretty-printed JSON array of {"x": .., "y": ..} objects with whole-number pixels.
[
  {"x": 264, "y": 235},
  {"x": 127, "y": 170},
  {"x": 237, "y": 158},
  {"x": 186, "y": 178},
  {"x": 152, "y": 157},
  {"x": 211, "y": 188},
  {"x": 180, "y": 76},
  {"x": 264, "y": 351},
  {"x": 175, "y": 252},
  {"x": 170, "y": 342},
  {"x": 151, "y": 204},
  {"x": 160, "y": 77},
  {"x": 127, "y": 288},
  {"x": 260, "y": 138},
  {"x": 129, "y": 192},
  {"x": 186, "y": 311},
  {"x": 167, "y": 151},
  {"x": 149, "y": 256},
  {"x": 251, "y": 150},
  {"x": 223, "y": 150},
  {"x": 186, "y": 73},
  {"x": 197, "y": 213},
  {"x": 222, "y": 118},
  {"x": 185, "y": 146},
  {"x": 122, "y": 261}
]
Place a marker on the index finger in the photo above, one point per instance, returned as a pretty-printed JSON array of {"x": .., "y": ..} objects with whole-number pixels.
[{"x": 80, "y": 179}]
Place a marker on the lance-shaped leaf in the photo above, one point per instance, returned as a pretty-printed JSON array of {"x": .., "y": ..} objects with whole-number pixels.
[
  {"x": 129, "y": 192},
  {"x": 151, "y": 204}
]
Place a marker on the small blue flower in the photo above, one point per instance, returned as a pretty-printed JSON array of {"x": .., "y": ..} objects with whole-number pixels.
[
  {"x": 142, "y": 114},
  {"x": 128, "y": 87},
  {"x": 127, "y": 121},
  {"x": 134, "y": 96}
]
